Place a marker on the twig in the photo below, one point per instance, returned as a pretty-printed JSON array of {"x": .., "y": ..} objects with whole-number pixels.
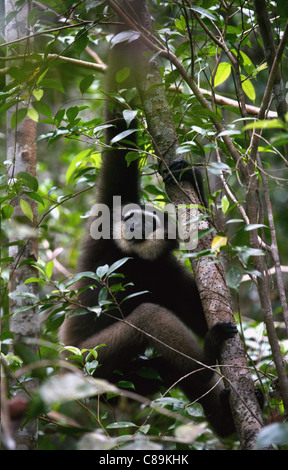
[{"x": 39, "y": 33}]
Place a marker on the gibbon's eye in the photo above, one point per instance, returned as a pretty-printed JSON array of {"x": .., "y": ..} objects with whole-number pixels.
[{"x": 132, "y": 228}]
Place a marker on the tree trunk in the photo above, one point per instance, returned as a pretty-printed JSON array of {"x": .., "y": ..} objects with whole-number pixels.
[{"x": 21, "y": 150}]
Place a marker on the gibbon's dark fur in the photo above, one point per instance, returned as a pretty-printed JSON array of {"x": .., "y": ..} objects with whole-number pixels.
[{"x": 163, "y": 318}]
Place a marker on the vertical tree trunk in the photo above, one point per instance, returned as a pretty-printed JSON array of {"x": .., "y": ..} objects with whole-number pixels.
[{"x": 22, "y": 152}]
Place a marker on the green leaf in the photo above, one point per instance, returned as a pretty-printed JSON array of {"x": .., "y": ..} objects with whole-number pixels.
[
  {"x": 7, "y": 211},
  {"x": 248, "y": 88},
  {"x": 144, "y": 429},
  {"x": 81, "y": 41},
  {"x": 26, "y": 295},
  {"x": 26, "y": 209},
  {"x": 18, "y": 117},
  {"x": 71, "y": 349},
  {"x": 32, "y": 114},
  {"x": 129, "y": 115},
  {"x": 33, "y": 279},
  {"x": 125, "y": 36},
  {"x": 59, "y": 116},
  {"x": 224, "y": 204},
  {"x": 203, "y": 12},
  {"x": 82, "y": 275},
  {"x": 247, "y": 63},
  {"x": 234, "y": 221},
  {"x": 233, "y": 278},
  {"x": 121, "y": 424},
  {"x": 92, "y": 352},
  {"x": 122, "y": 74},
  {"x": 22, "y": 309},
  {"x": 27, "y": 355},
  {"x": 29, "y": 180},
  {"x": 3, "y": 179},
  {"x": 55, "y": 320},
  {"x": 216, "y": 168},
  {"x": 72, "y": 112},
  {"x": 38, "y": 93},
  {"x": 246, "y": 252},
  {"x": 39, "y": 268},
  {"x": 85, "y": 83},
  {"x": 76, "y": 162},
  {"x": 122, "y": 135},
  {"x": 181, "y": 24},
  {"x": 102, "y": 270},
  {"x": 49, "y": 269},
  {"x": 35, "y": 196},
  {"x": 266, "y": 124},
  {"x": 49, "y": 83},
  {"x": 244, "y": 59},
  {"x": 70, "y": 386},
  {"x": 135, "y": 294},
  {"x": 91, "y": 366},
  {"x": 149, "y": 373},
  {"x": 116, "y": 265},
  {"x": 222, "y": 73},
  {"x": 42, "y": 108},
  {"x": 131, "y": 157},
  {"x": 33, "y": 16},
  {"x": 103, "y": 296},
  {"x": 250, "y": 227}
]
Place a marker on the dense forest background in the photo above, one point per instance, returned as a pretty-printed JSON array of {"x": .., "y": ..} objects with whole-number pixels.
[{"x": 53, "y": 60}]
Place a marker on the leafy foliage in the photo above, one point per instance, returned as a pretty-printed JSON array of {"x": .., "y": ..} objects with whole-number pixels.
[{"x": 65, "y": 99}]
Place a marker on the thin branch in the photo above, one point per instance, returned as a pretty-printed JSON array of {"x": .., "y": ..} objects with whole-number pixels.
[
  {"x": 233, "y": 61},
  {"x": 273, "y": 73},
  {"x": 264, "y": 22},
  {"x": 53, "y": 57},
  {"x": 252, "y": 110},
  {"x": 274, "y": 248},
  {"x": 47, "y": 31}
]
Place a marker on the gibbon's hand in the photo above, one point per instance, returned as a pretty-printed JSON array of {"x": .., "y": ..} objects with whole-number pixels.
[{"x": 184, "y": 171}]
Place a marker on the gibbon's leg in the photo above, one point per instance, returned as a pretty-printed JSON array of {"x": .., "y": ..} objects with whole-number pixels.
[
  {"x": 157, "y": 327},
  {"x": 148, "y": 325}
]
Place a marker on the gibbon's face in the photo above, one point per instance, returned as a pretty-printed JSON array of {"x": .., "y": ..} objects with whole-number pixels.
[{"x": 146, "y": 232}]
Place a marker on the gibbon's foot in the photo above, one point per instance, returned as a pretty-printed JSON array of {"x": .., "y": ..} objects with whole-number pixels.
[
  {"x": 224, "y": 396},
  {"x": 228, "y": 426},
  {"x": 260, "y": 397}
]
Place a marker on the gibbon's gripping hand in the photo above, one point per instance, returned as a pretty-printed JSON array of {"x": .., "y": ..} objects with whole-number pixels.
[
  {"x": 223, "y": 330},
  {"x": 215, "y": 338},
  {"x": 182, "y": 171}
]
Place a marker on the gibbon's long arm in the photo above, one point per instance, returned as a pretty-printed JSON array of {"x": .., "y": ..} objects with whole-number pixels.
[{"x": 117, "y": 177}]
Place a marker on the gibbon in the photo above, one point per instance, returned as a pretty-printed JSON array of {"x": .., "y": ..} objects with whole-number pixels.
[{"x": 168, "y": 315}]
